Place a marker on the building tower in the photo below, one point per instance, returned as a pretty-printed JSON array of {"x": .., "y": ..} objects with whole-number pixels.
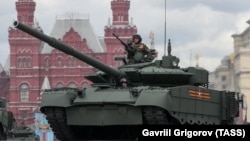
[
  {"x": 241, "y": 65},
  {"x": 24, "y": 66},
  {"x": 121, "y": 26},
  {"x": 25, "y": 11}
]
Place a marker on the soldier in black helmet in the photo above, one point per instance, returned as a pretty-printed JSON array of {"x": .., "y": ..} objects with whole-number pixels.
[
  {"x": 138, "y": 45},
  {"x": 138, "y": 50}
]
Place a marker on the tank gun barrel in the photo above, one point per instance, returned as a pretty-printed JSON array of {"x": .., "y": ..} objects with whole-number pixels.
[{"x": 69, "y": 50}]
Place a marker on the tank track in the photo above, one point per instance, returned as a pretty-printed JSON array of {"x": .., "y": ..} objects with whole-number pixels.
[{"x": 57, "y": 120}]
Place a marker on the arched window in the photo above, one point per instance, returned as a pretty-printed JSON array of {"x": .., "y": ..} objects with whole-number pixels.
[
  {"x": 74, "y": 62},
  {"x": 20, "y": 63},
  {"x": 70, "y": 61},
  {"x": 121, "y": 18},
  {"x": 24, "y": 62},
  {"x": 59, "y": 62},
  {"x": 72, "y": 85},
  {"x": 59, "y": 85},
  {"x": 46, "y": 62},
  {"x": 85, "y": 85},
  {"x": 29, "y": 63},
  {"x": 24, "y": 90}
]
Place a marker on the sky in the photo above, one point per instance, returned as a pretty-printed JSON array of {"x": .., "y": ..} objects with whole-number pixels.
[{"x": 195, "y": 27}]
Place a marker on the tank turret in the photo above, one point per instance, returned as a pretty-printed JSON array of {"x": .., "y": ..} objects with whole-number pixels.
[{"x": 156, "y": 92}]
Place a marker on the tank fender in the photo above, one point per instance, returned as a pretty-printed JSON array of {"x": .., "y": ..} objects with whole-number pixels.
[
  {"x": 58, "y": 98},
  {"x": 158, "y": 98}
]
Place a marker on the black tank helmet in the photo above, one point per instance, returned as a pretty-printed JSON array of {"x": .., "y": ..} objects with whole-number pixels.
[{"x": 137, "y": 36}]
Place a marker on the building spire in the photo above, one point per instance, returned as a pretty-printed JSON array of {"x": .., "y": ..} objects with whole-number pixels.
[
  {"x": 120, "y": 12},
  {"x": 152, "y": 37},
  {"x": 25, "y": 11},
  {"x": 197, "y": 58}
]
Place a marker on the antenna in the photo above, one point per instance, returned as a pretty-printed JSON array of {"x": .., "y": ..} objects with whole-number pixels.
[
  {"x": 191, "y": 55},
  {"x": 165, "y": 32}
]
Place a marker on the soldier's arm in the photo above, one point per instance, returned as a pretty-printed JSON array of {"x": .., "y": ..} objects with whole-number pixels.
[{"x": 146, "y": 48}]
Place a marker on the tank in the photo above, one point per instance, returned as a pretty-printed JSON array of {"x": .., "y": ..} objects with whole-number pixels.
[
  {"x": 22, "y": 133},
  {"x": 7, "y": 120},
  {"x": 157, "y": 92},
  {"x": 9, "y": 129}
]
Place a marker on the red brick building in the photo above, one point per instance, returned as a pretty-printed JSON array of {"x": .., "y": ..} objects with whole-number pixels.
[{"x": 35, "y": 65}]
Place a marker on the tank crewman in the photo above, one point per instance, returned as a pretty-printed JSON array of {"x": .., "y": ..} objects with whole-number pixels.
[
  {"x": 140, "y": 52},
  {"x": 138, "y": 45},
  {"x": 137, "y": 50},
  {"x": 124, "y": 83}
]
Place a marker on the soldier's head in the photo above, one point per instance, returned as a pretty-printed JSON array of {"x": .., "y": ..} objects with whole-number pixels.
[{"x": 136, "y": 38}]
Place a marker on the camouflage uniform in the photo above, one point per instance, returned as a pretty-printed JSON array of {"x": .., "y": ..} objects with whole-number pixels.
[
  {"x": 141, "y": 47},
  {"x": 136, "y": 47}
]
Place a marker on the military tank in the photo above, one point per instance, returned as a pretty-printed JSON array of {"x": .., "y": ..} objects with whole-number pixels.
[
  {"x": 9, "y": 129},
  {"x": 121, "y": 99},
  {"x": 7, "y": 120},
  {"x": 24, "y": 133}
]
